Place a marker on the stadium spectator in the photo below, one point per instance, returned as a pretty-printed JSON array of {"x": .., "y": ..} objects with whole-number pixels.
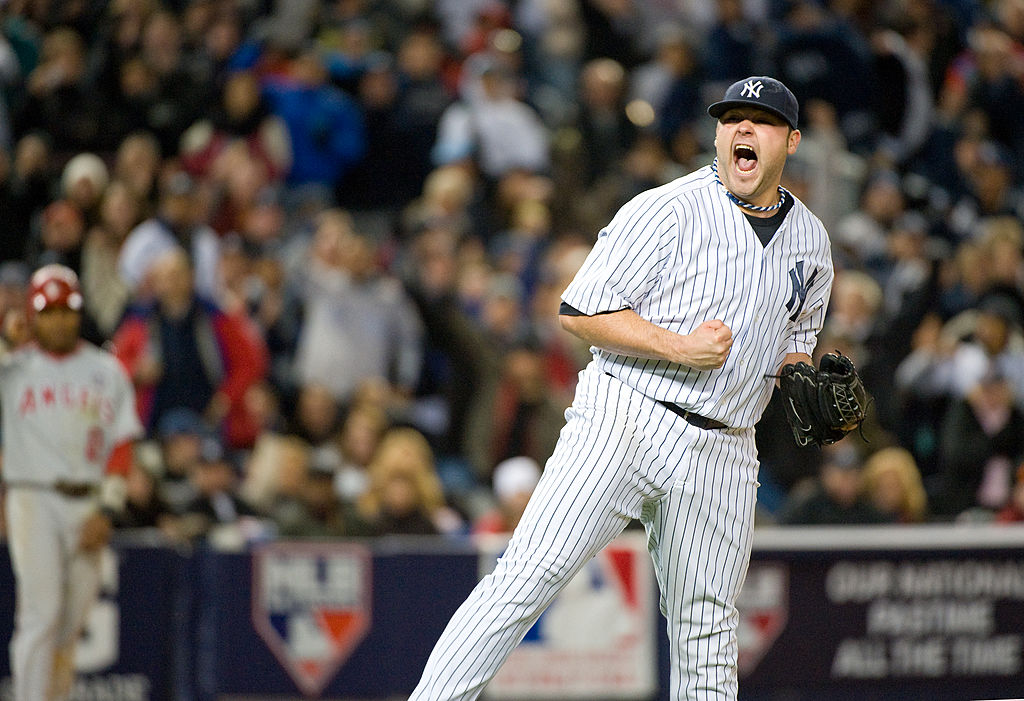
[
  {"x": 514, "y": 482},
  {"x": 819, "y": 55},
  {"x": 358, "y": 325},
  {"x": 106, "y": 294},
  {"x": 59, "y": 99},
  {"x": 981, "y": 438},
  {"x": 905, "y": 105},
  {"x": 178, "y": 222},
  {"x": 990, "y": 189},
  {"x": 984, "y": 79},
  {"x": 525, "y": 418},
  {"x": 836, "y": 497},
  {"x": 893, "y": 484},
  {"x": 183, "y": 351},
  {"x": 490, "y": 127},
  {"x": 730, "y": 48},
  {"x": 324, "y": 125},
  {"x": 405, "y": 495},
  {"x": 421, "y": 100},
  {"x": 144, "y": 506},
  {"x": 606, "y": 132},
  {"x": 82, "y": 183},
  {"x": 241, "y": 120},
  {"x": 179, "y": 96},
  {"x": 217, "y": 503},
  {"x": 180, "y": 436},
  {"x": 393, "y": 151},
  {"x": 979, "y": 343},
  {"x": 25, "y": 190},
  {"x": 274, "y": 471},
  {"x": 861, "y": 236},
  {"x": 318, "y": 511},
  {"x": 137, "y": 164},
  {"x": 444, "y": 203},
  {"x": 59, "y": 237},
  {"x": 361, "y": 432},
  {"x": 317, "y": 415}
]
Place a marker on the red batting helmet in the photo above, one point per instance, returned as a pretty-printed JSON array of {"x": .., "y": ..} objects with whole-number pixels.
[{"x": 54, "y": 286}]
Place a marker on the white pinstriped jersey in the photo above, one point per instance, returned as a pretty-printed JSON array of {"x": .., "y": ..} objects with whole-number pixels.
[
  {"x": 682, "y": 254},
  {"x": 63, "y": 415}
]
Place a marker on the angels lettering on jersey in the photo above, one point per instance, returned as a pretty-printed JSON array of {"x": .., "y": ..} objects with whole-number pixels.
[{"x": 87, "y": 398}]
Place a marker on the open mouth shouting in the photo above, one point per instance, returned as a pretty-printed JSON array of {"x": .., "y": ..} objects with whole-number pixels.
[{"x": 745, "y": 158}]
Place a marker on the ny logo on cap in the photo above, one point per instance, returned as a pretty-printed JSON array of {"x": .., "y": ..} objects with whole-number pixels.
[{"x": 752, "y": 89}]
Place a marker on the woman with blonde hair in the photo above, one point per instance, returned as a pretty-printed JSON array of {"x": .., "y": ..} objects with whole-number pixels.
[
  {"x": 893, "y": 483},
  {"x": 405, "y": 495}
]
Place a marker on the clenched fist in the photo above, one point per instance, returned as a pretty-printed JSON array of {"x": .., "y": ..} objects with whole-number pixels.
[{"x": 708, "y": 345}]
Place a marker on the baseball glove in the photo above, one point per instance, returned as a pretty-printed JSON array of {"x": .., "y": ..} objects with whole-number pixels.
[{"x": 823, "y": 405}]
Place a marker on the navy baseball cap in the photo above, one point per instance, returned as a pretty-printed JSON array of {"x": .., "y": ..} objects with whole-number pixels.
[{"x": 762, "y": 92}]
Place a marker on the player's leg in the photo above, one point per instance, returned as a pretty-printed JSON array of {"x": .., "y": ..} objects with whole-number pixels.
[
  {"x": 700, "y": 540},
  {"x": 587, "y": 495},
  {"x": 81, "y": 589},
  {"x": 33, "y": 522}
]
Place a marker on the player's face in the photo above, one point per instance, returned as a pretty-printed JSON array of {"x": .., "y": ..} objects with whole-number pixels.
[
  {"x": 752, "y": 146},
  {"x": 56, "y": 329}
]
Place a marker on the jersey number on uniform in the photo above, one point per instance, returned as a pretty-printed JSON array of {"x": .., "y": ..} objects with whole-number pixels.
[{"x": 94, "y": 444}]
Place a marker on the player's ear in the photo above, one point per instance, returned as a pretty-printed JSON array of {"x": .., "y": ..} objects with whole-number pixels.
[{"x": 794, "y": 141}]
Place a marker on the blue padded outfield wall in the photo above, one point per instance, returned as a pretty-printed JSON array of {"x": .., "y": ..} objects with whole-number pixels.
[{"x": 865, "y": 614}]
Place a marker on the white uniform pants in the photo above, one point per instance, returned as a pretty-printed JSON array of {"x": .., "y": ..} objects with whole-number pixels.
[
  {"x": 620, "y": 456},
  {"x": 56, "y": 584}
]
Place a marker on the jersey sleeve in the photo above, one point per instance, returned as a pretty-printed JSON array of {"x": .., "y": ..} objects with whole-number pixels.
[
  {"x": 126, "y": 425},
  {"x": 628, "y": 258}
]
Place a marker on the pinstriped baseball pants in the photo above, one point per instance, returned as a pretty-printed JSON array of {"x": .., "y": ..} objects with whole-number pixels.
[{"x": 620, "y": 456}]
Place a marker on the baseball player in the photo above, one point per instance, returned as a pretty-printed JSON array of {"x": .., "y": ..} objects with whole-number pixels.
[
  {"x": 68, "y": 424},
  {"x": 694, "y": 297}
]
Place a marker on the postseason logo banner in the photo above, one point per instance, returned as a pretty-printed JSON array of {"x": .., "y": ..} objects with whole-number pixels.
[{"x": 311, "y": 605}]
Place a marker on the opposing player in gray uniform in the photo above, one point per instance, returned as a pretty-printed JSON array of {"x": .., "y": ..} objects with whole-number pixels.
[
  {"x": 69, "y": 419},
  {"x": 694, "y": 297}
]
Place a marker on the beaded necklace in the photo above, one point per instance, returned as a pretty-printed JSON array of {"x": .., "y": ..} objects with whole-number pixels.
[{"x": 742, "y": 203}]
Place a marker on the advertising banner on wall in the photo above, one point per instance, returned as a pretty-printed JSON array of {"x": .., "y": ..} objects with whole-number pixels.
[{"x": 926, "y": 613}]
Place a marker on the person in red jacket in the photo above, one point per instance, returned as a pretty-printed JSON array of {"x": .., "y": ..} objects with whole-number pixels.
[{"x": 184, "y": 351}]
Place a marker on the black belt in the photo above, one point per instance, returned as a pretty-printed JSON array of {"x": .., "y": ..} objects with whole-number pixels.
[
  {"x": 72, "y": 490},
  {"x": 688, "y": 416},
  {"x": 691, "y": 418}
]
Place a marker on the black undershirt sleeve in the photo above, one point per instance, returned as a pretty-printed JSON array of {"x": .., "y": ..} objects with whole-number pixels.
[{"x": 567, "y": 310}]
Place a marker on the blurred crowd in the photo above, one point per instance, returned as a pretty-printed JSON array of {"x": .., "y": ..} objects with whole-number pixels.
[{"x": 327, "y": 238}]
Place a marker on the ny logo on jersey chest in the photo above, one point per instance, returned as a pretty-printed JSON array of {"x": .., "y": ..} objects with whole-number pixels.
[{"x": 801, "y": 285}]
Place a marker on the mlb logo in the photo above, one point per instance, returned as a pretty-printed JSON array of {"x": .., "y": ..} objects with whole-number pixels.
[
  {"x": 311, "y": 604},
  {"x": 763, "y": 606},
  {"x": 597, "y": 639}
]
